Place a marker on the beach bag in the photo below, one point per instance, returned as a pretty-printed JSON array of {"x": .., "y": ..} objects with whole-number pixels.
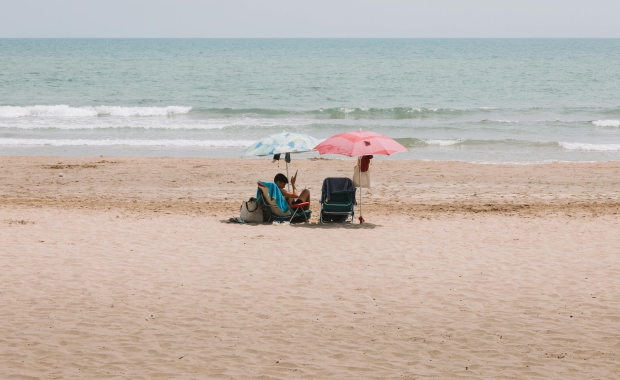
[
  {"x": 250, "y": 212},
  {"x": 365, "y": 182}
]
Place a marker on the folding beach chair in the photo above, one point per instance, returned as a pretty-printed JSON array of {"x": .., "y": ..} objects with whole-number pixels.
[
  {"x": 337, "y": 206},
  {"x": 269, "y": 196}
]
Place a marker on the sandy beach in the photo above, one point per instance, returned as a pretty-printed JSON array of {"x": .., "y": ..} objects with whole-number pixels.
[{"x": 126, "y": 268}]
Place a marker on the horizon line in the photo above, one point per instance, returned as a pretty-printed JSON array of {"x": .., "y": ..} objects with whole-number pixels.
[{"x": 310, "y": 38}]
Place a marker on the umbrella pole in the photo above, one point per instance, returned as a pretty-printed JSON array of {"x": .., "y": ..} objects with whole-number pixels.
[
  {"x": 289, "y": 183},
  {"x": 359, "y": 166}
]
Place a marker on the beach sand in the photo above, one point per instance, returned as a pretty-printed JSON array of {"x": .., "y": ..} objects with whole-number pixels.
[{"x": 126, "y": 268}]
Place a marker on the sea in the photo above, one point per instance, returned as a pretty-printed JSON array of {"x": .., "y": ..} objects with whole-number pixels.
[{"x": 476, "y": 100}]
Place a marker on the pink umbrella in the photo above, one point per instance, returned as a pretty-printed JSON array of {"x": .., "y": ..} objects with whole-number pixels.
[{"x": 361, "y": 143}]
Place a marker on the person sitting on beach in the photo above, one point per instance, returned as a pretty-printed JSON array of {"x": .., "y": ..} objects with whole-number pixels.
[{"x": 292, "y": 197}]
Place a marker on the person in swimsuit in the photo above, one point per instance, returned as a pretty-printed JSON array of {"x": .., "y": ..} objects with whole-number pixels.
[{"x": 293, "y": 197}]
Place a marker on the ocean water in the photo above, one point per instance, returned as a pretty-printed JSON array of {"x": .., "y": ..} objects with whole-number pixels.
[{"x": 496, "y": 100}]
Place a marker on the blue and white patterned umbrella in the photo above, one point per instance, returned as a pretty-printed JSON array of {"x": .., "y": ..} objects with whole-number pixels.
[{"x": 282, "y": 143}]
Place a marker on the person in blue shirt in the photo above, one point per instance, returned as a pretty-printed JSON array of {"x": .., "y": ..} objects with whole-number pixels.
[{"x": 293, "y": 197}]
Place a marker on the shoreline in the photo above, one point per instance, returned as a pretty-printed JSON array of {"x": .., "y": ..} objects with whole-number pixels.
[{"x": 305, "y": 156}]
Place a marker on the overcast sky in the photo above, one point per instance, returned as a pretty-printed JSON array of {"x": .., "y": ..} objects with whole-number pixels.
[{"x": 310, "y": 18}]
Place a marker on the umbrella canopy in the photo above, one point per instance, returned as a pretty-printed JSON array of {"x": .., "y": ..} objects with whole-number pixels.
[
  {"x": 360, "y": 143},
  {"x": 282, "y": 143}
]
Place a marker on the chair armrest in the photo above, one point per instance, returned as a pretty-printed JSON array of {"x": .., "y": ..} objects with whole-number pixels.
[{"x": 299, "y": 205}]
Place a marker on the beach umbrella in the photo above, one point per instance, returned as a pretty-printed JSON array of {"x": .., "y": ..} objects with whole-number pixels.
[
  {"x": 282, "y": 143},
  {"x": 360, "y": 143}
]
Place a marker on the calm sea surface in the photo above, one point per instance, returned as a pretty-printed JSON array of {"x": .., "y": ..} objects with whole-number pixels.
[{"x": 515, "y": 100}]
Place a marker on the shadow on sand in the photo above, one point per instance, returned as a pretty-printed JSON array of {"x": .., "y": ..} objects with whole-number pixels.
[
  {"x": 326, "y": 226},
  {"x": 348, "y": 226}
]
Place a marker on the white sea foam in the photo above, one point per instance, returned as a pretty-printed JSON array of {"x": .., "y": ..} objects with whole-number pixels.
[
  {"x": 506, "y": 121},
  {"x": 590, "y": 147},
  {"x": 88, "y": 111},
  {"x": 74, "y": 123},
  {"x": 443, "y": 142},
  {"x": 558, "y": 121},
  {"x": 119, "y": 142},
  {"x": 606, "y": 123}
]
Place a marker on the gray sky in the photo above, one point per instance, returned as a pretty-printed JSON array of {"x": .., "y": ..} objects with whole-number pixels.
[{"x": 309, "y": 18}]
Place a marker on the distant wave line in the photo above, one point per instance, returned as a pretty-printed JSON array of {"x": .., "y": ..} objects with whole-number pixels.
[
  {"x": 408, "y": 142},
  {"x": 248, "y": 122},
  {"x": 64, "y": 110},
  {"x": 120, "y": 142},
  {"x": 205, "y": 124},
  {"x": 401, "y": 112}
]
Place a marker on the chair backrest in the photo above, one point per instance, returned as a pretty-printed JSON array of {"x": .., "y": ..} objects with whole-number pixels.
[
  {"x": 270, "y": 202},
  {"x": 342, "y": 184},
  {"x": 340, "y": 198}
]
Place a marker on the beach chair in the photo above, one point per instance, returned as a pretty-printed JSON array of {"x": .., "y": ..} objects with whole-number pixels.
[
  {"x": 337, "y": 206},
  {"x": 269, "y": 196}
]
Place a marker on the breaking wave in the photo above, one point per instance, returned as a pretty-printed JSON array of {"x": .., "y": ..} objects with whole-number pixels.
[
  {"x": 443, "y": 142},
  {"x": 606, "y": 123},
  {"x": 394, "y": 113},
  {"x": 149, "y": 123},
  {"x": 590, "y": 147},
  {"x": 508, "y": 144}
]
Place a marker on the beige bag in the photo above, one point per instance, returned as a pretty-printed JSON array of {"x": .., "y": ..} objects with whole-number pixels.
[
  {"x": 365, "y": 183},
  {"x": 250, "y": 212}
]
